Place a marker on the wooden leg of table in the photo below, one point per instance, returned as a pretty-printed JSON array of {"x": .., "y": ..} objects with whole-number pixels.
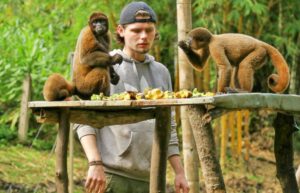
[
  {"x": 159, "y": 150},
  {"x": 61, "y": 152}
]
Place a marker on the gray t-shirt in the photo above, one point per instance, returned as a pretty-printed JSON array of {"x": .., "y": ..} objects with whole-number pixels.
[{"x": 126, "y": 149}]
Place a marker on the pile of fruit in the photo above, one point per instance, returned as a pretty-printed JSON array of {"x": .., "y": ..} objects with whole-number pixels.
[{"x": 152, "y": 94}]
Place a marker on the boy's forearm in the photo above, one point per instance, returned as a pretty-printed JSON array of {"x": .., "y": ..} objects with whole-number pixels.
[
  {"x": 176, "y": 164},
  {"x": 89, "y": 145}
]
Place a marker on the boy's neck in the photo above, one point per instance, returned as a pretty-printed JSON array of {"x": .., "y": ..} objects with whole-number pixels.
[{"x": 134, "y": 55}]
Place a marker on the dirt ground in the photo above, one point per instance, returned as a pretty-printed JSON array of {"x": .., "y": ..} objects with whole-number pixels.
[{"x": 258, "y": 173}]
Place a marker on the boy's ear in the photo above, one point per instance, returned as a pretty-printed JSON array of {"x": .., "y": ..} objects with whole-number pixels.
[{"x": 120, "y": 30}]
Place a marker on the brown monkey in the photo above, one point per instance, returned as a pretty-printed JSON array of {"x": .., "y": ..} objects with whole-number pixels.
[
  {"x": 237, "y": 53},
  {"x": 92, "y": 70},
  {"x": 92, "y": 62}
]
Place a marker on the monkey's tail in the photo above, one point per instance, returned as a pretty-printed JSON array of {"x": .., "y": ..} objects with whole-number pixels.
[
  {"x": 57, "y": 88},
  {"x": 278, "y": 82}
]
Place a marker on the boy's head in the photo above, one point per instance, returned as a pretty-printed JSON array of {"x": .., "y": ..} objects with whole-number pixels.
[
  {"x": 133, "y": 13},
  {"x": 137, "y": 12}
]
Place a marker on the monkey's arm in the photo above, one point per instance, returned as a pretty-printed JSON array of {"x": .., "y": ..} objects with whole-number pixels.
[
  {"x": 95, "y": 59},
  {"x": 196, "y": 59}
]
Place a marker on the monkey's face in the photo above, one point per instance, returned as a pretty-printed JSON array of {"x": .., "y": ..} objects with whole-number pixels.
[
  {"x": 100, "y": 26},
  {"x": 199, "y": 38},
  {"x": 98, "y": 23}
]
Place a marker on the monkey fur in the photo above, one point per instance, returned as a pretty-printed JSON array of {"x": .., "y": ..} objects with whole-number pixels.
[
  {"x": 57, "y": 88},
  {"x": 92, "y": 65},
  {"x": 237, "y": 56}
]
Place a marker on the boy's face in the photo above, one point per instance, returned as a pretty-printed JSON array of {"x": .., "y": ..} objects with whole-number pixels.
[{"x": 138, "y": 37}]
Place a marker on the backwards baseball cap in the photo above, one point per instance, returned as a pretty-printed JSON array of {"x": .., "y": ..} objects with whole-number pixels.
[{"x": 137, "y": 12}]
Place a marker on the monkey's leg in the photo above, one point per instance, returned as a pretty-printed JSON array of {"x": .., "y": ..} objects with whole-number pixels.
[
  {"x": 96, "y": 81},
  {"x": 247, "y": 67},
  {"x": 97, "y": 58}
]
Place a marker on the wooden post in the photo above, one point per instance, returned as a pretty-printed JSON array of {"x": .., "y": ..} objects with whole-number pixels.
[
  {"x": 24, "y": 114},
  {"x": 186, "y": 77},
  {"x": 71, "y": 147},
  {"x": 61, "y": 151},
  {"x": 71, "y": 159},
  {"x": 159, "y": 150},
  {"x": 203, "y": 134},
  {"x": 283, "y": 148}
]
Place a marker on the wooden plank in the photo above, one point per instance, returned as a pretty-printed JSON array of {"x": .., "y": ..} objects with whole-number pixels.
[
  {"x": 277, "y": 102},
  {"x": 159, "y": 150},
  {"x": 121, "y": 104},
  {"x": 99, "y": 119}
]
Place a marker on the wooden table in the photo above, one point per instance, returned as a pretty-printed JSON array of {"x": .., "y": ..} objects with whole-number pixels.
[{"x": 102, "y": 113}]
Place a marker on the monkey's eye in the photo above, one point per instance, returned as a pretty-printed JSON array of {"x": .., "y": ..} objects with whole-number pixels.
[
  {"x": 200, "y": 39},
  {"x": 99, "y": 22}
]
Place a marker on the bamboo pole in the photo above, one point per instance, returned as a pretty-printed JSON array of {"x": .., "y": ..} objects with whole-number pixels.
[
  {"x": 184, "y": 22},
  {"x": 176, "y": 86},
  {"x": 233, "y": 144},
  {"x": 247, "y": 135},
  {"x": 223, "y": 140},
  {"x": 239, "y": 133},
  {"x": 198, "y": 80}
]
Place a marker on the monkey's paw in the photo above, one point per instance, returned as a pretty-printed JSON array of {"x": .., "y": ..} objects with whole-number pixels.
[
  {"x": 117, "y": 59},
  {"x": 114, "y": 78},
  {"x": 184, "y": 45}
]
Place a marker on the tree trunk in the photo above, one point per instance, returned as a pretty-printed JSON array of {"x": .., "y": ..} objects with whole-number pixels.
[
  {"x": 283, "y": 147},
  {"x": 206, "y": 148},
  {"x": 184, "y": 21}
]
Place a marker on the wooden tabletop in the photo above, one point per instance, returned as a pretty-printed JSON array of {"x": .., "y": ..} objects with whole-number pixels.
[
  {"x": 285, "y": 102},
  {"x": 102, "y": 104}
]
